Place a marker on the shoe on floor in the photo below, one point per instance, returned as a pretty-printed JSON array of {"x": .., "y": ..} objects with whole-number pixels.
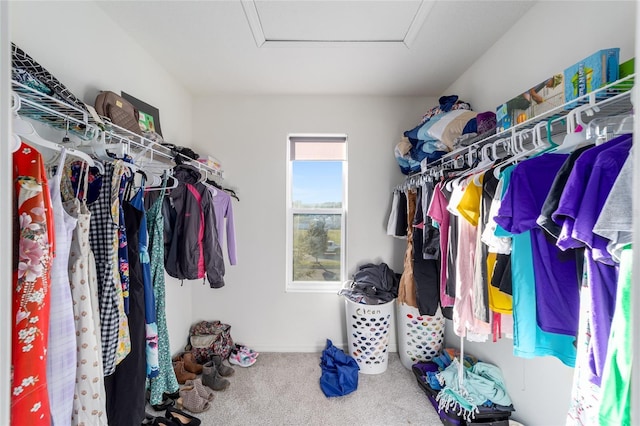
[
  {"x": 212, "y": 378},
  {"x": 181, "y": 418},
  {"x": 241, "y": 359},
  {"x": 246, "y": 350},
  {"x": 204, "y": 391},
  {"x": 192, "y": 401}
]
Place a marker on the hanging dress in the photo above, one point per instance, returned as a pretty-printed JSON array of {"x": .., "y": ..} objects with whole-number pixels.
[
  {"x": 151, "y": 328},
  {"x": 103, "y": 229},
  {"x": 166, "y": 380},
  {"x": 61, "y": 352},
  {"x": 89, "y": 397},
  {"x": 126, "y": 387},
  {"x": 33, "y": 249},
  {"x": 121, "y": 261}
]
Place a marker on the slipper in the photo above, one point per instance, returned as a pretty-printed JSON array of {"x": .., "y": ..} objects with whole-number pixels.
[{"x": 193, "y": 402}]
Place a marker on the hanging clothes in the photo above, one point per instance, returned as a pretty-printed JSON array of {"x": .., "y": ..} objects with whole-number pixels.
[
  {"x": 438, "y": 212},
  {"x": 425, "y": 256},
  {"x": 121, "y": 260},
  {"x": 192, "y": 251},
  {"x": 223, "y": 209},
  {"x": 103, "y": 229},
  {"x": 89, "y": 399},
  {"x": 33, "y": 246},
  {"x": 596, "y": 169},
  {"x": 125, "y": 388},
  {"x": 166, "y": 380},
  {"x": 407, "y": 286},
  {"x": 516, "y": 215},
  {"x": 151, "y": 328},
  {"x": 61, "y": 352}
]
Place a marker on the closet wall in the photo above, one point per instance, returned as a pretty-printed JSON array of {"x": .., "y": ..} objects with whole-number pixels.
[
  {"x": 87, "y": 51},
  {"x": 249, "y": 134},
  {"x": 549, "y": 38}
]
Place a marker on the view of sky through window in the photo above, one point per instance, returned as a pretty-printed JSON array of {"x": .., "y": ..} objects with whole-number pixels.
[{"x": 316, "y": 183}]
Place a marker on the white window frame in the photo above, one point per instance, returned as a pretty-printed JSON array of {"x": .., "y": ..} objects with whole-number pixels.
[{"x": 315, "y": 286}]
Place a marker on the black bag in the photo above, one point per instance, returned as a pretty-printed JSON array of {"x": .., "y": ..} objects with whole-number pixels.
[{"x": 182, "y": 154}]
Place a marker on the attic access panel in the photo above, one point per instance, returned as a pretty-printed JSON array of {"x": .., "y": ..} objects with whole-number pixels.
[{"x": 296, "y": 23}]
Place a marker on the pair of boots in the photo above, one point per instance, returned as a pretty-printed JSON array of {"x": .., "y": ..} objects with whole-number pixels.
[
  {"x": 213, "y": 373},
  {"x": 186, "y": 367}
]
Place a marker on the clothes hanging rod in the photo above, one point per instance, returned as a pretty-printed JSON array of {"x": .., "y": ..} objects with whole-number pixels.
[
  {"x": 608, "y": 98},
  {"x": 611, "y": 99},
  {"x": 62, "y": 116}
]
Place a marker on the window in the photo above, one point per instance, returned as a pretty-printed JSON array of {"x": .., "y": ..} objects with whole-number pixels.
[{"x": 316, "y": 210}]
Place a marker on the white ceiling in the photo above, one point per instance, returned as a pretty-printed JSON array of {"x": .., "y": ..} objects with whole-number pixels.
[{"x": 332, "y": 47}]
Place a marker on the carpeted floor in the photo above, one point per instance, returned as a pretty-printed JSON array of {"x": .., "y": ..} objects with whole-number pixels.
[{"x": 283, "y": 389}]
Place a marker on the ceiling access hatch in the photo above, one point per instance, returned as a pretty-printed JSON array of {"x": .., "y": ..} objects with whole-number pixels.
[{"x": 333, "y": 22}]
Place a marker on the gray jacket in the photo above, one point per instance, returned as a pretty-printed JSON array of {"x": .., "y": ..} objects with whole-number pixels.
[{"x": 192, "y": 249}]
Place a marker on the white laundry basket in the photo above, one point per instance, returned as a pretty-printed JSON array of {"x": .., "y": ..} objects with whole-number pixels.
[
  {"x": 368, "y": 328},
  {"x": 420, "y": 337}
]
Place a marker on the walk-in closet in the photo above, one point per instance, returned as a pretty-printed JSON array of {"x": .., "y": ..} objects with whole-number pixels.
[{"x": 199, "y": 196}]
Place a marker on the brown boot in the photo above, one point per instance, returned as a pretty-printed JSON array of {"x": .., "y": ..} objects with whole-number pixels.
[
  {"x": 190, "y": 363},
  {"x": 181, "y": 374}
]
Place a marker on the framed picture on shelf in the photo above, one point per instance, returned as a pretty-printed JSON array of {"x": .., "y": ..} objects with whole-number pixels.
[{"x": 149, "y": 115}]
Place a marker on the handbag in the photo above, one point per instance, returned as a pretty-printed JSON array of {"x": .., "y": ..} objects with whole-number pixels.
[
  {"x": 209, "y": 338},
  {"x": 339, "y": 372},
  {"x": 119, "y": 111}
]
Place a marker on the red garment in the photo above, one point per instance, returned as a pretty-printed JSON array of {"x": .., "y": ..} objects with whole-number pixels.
[{"x": 31, "y": 279}]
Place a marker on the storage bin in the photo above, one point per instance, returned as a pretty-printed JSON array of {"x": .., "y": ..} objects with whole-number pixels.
[
  {"x": 368, "y": 334},
  {"x": 420, "y": 337},
  {"x": 486, "y": 416}
]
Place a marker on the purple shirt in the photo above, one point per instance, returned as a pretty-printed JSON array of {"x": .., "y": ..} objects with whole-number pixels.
[
  {"x": 594, "y": 173},
  {"x": 556, "y": 278},
  {"x": 574, "y": 192},
  {"x": 223, "y": 209}
]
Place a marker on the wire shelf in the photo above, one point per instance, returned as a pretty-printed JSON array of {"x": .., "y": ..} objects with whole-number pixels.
[
  {"x": 51, "y": 111},
  {"x": 613, "y": 99}
]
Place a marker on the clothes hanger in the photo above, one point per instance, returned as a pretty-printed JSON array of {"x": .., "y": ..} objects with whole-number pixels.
[
  {"x": 25, "y": 130},
  {"x": 155, "y": 186},
  {"x": 576, "y": 132}
]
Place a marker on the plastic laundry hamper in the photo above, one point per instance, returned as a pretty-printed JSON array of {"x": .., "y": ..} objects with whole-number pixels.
[
  {"x": 368, "y": 334},
  {"x": 420, "y": 337}
]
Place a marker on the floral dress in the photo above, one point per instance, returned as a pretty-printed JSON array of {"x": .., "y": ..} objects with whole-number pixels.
[
  {"x": 166, "y": 380},
  {"x": 30, "y": 310}
]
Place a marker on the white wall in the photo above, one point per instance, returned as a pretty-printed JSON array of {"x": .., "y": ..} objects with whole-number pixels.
[
  {"x": 249, "y": 136},
  {"x": 87, "y": 51},
  {"x": 548, "y": 39}
]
